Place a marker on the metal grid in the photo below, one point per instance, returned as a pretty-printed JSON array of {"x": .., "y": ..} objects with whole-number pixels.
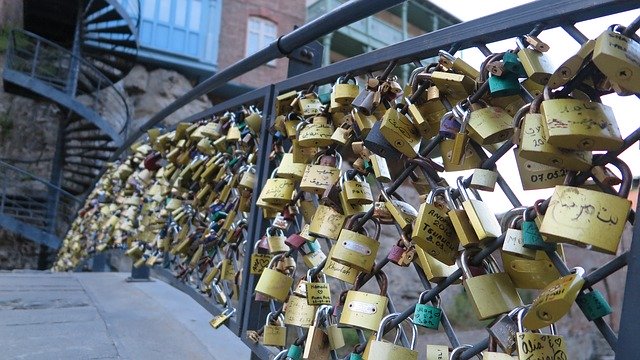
[{"x": 532, "y": 19}]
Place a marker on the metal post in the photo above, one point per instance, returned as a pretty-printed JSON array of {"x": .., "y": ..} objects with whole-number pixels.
[
  {"x": 53, "y": 196},
  {"x": 140, "y": 274},
  {"x": 628, "y": 344},
  {"x": 74, "y": 67}
]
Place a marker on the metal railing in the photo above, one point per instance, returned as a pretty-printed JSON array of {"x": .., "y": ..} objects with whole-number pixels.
[
  {"x": 43, "y": 60},
  {"x": 35, "y": 201},
  {"x": 527, "y": 19}
]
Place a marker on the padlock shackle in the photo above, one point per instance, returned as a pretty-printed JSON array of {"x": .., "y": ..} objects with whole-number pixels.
[
  {"x": 389, "y": 318},
  {"x": 381, "y": 278},
  {"x": 462, "y": 190},
  {"x": 353, "y": 222},
  {"x": 506, "y": 220},
  {"x": 627, "y": 177},
  {"x": 455, "y": 353}
]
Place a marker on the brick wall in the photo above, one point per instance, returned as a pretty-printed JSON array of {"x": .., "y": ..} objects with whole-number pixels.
[{"x": 233, "y": 34}]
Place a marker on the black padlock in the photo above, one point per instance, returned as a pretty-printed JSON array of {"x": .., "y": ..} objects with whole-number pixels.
[{"x": 378, "y": 145}]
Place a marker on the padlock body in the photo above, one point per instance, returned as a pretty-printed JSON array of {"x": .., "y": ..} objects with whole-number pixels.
[
  {"x": 585, "y": 217},
  {"x": 618, "y": 57},
  {"x": 274, "y": 284},
  {"x": 492, "y": 294},
  {"x": 326, "y": 222},
  {"x": 580, "y": 125},
  {"x": 355, "y": 250},
  {"x": 541, "y": 346},
  {"x": 490, "y": 125},
  {"x": 434, "y": 233},
  {"x": 298, "y": 312},
  {"x": 363, "y": 310}
]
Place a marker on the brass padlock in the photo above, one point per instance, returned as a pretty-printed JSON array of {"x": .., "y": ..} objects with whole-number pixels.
[
  {"x": 586, "y": 218},
  {"x": 554, "y": 301},
  {"x": 344, "y": 92},
  {"x": 379, "y": 349},
  {"x": 317, "y": 293},
  {"x": 315, "y": 134},
  {"x": 276, "y": 240},
  {"x": 318, "y": 177},
  {"x": 317, "y": 346},
  {"x": 273, "y": 283},
  {"x": 489, "y": 124},
  {"x": 275, "y": 333},
  {"x": 533, "y": 145},
  {"x": 356, "y": 250},
  {"x": 402, "y": 212},
  {"x": 276, "y": 192},
  {"x": 530, "y": 273},
  {"x": 532, "y": 345},
  {"x": 289, "y": 169},
  {"x": 483, "y": 179},
  {"x": 298, "y": 312},
  {"x": 470, "y": 158},
  {"x": 357, "y": 190},
  {"x": 491, "y": 294},
  {"x": 460, "y": 220},
  {"x": 534, "y": 175},
  {"x": 326, "y": 222},
  {"x": 433, "y": 231},
  {"x": 400, "y": 132},
  {"x": 364, "y": 310},
  {"x": 536, "y": 64},
  {"x": 434, "y": 269},
  {"x": 579, "y": 124},
  {"x": 480, "y": 215},
  {"x": 618, "y": 58}
]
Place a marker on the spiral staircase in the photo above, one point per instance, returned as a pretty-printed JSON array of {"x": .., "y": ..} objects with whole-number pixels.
[{"x": 71, "y": 53}]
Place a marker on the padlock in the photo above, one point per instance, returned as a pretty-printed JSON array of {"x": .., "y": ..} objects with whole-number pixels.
[
  {"x": 460, "y": 222},
  {"x": 344, "y": 92},
  {"x": 400, "y": 132},
  {"x": 378, "y": 144},
  {"x": 492, "y": 354},
  {"x": 339, "y": 271},
  {"x": 578, "y": 124},
  {"x": 514, "y": 242},
  {"x": 433, "y": 231},
  {"x": 248, "y": 178},
  {"x": 491, "y": 294},
  {"x": 470, "y": 158},
  {"x": 434, "y": 270},
  {"x": 531, "y": 237},
  {"x": 273, "y": 283},
  {"x": 403, "y": 252},
  {"x": 483, "y": 179},
  {"x": 354, "y": 249},
  {"x": 618, "y": 58},
  {"x": 293, "y": 353},
  {"x": 489, "y": 124},
  {"x": 309, "y": 104},
  {"x": 316, "y": 346},
  {"x": 504, "y": 85},
  {"x": 380, "y": 168},
  {"x": 217, "y": 321},
  {"x": 571, "y": 66},
  {"x": 362, "y": 124},
  {"x": 357, "y": 190},
  {"x": 317, "y": 293},
  {"x": 382, "y": 350},
  {"x": 402, "y": 212},
  {"x": 536, "y": 64},
  {"x": 455, "y": 86},
  {"x": 461, "y": 138},
  {"x": 534, "y": 176},
  {"x": 326, "y": 222},
  {"x": 480, "y": 215},
  {"x": 437, "y": 352},
  {"x": 533, "y": 145},
  {"x": 586, "y": 217},
  {"x": 318, "y": 177},
  {"x": 274, "y": 334},
  {"x": 532, "y": 345},
  {"x": 593, "y": 304},
  {"x": 298, "y": 312},
  {"x": 554, "y": 301},
  {"x": 315, "y": 134},
  {"x": 427, "y": 315},
  {"x": 530, "y": 274},
  {"x": 456, "y": 64},
  {"x": 276, "y": 240},
  {"x": 276, "y": 192},
  {"x": 364, "y": 310},
  {"x": 502, "y": 331},
  {"x": 368, "y": 98}
]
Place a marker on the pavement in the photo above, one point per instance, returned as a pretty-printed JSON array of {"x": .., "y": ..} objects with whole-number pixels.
[{"x": 47, "y": 315}]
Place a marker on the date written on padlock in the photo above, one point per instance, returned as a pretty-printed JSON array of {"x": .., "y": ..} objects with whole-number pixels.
[{"x": 318, "y": 293}]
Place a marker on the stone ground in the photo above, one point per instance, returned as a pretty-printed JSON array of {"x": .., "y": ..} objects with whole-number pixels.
[{"x": 100, "y": 316}]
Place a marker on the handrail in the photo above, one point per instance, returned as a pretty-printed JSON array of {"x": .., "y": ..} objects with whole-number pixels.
[
  {"x": 105, "y": 88},
  {"x": 39, "y": 179},
  {"x": 343, "y": 15}
]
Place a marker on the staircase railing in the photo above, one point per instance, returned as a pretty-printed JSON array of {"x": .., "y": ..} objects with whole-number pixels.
[
  {"x": 35, "y": 201},
  {"x": 48, "y": 62}
]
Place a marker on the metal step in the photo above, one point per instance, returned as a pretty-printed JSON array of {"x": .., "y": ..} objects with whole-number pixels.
[
  {"x": 82, "y": 173},
  {"x": 119, "y": 29},
  {"x": 125, "y": 43},
  {"x": 110, "y": 15},
  {"x": 90, "y": 147},
  {"x": 83, "y": 127},
  {"x": 94, "y": 7},
  {"x": 95, "y": 137},
  {"x": 89, "y": 156},
  {"x": 81, "y": 164}
]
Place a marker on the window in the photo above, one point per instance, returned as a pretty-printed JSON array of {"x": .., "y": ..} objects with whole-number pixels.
[{"x": 260, "y": 33}]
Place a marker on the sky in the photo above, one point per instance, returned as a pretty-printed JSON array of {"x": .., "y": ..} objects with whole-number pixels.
[{"x": 562, "y": 47}]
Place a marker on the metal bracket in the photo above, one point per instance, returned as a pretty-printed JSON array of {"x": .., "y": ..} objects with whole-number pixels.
[{"x": 305, "y": 58}]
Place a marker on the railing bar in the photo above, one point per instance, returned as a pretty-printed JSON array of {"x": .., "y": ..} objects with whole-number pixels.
[
  {"x": 605, "y": 270},
  {"x": 576, "y": 34}
]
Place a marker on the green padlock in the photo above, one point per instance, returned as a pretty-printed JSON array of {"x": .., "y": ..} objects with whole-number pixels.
[
  {"x": 294, "y": 352},
  {"x": 513, "y": 65},
  {"x": 427, "y": 315},
  {"x": 505, "y": 85},
  {"x": 593, "y": 304},
  {"x": 355, "y": 356},
  {"x": 531, "y": 237}
]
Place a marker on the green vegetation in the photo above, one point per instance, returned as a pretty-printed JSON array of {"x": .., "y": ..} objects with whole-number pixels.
[
  {"x": 461, "y": 313},
  {"x": 4, "y": 39},
  {"x": 6, "y": 124}
]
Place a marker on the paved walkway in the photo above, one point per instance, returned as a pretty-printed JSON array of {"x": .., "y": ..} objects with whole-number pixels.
[{"x": 100, "y": 316}]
